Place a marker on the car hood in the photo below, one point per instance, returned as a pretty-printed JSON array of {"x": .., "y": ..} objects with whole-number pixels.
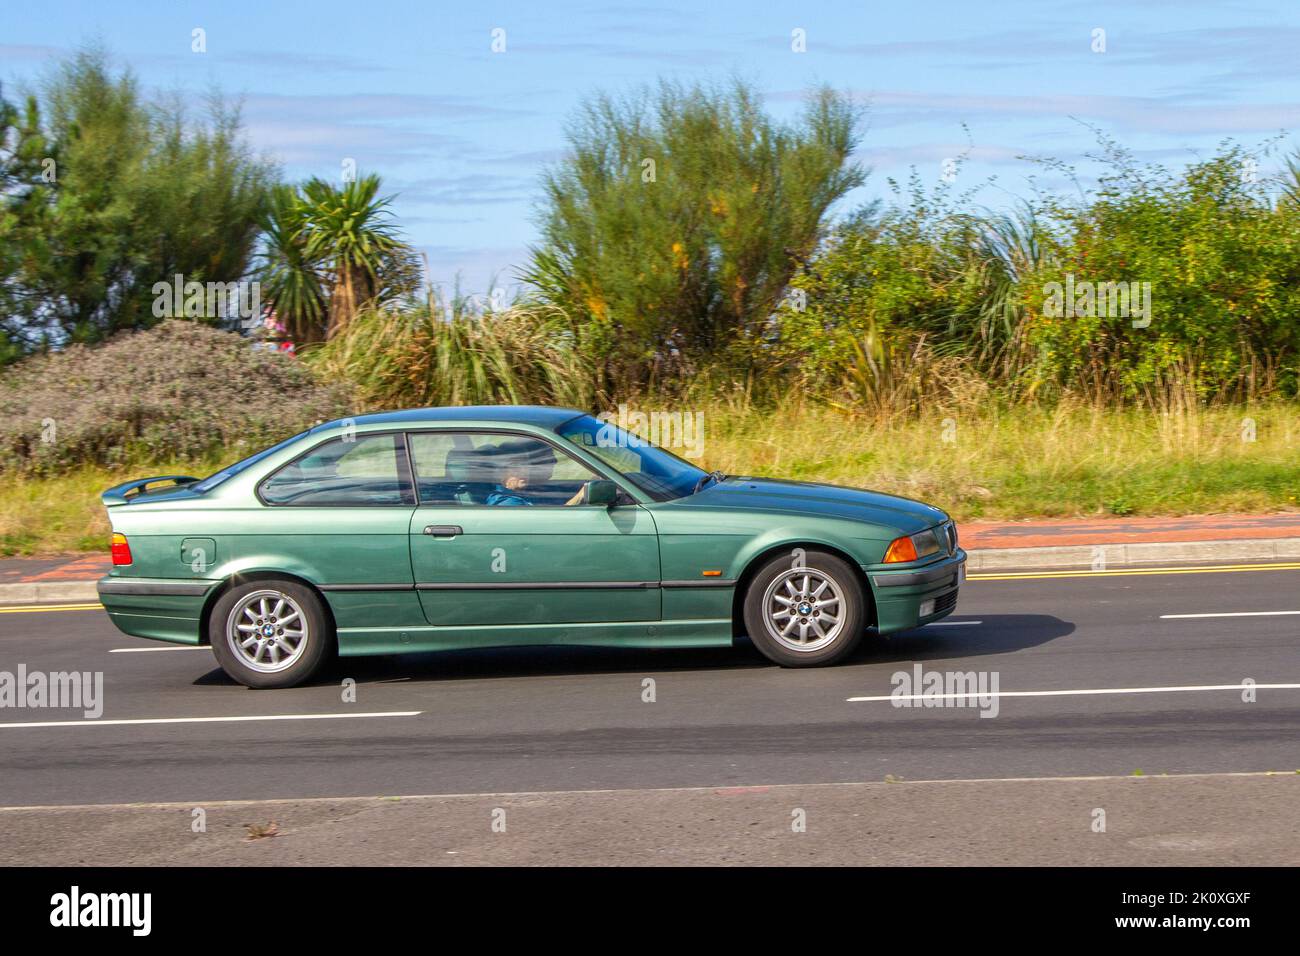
[{"x": 830, "y": 501}]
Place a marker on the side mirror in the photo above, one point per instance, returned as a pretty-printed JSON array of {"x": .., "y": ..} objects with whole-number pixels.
[{"x": 603, "y": 493}]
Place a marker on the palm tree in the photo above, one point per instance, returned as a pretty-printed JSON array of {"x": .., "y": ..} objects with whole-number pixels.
[
  {"x": 1291, "y": 179},
  {"x": 292, "y": 280},
  {"x": 350, "y": 230},
  {"x": 1005, "y": 250}
]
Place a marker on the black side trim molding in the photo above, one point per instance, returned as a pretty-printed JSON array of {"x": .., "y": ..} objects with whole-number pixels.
[
  {"x": 540, "y": 586},
  {"x": 533, "y": 585},
  {"x": 366, "y": 587},
  {"x": 153, "y": 587}
]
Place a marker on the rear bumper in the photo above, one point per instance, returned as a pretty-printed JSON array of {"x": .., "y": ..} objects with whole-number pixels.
[
  {"x": 165, "y": 609},
  {"x": 901, "y": 595},
  {"x": 153, "y": 587}
]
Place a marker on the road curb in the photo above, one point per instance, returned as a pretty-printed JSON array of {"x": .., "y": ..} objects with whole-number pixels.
[
  {"x": 48, "y": 592},
  {"x": 1107, "y": 556},
  {"x": 1133, "y": 554}
]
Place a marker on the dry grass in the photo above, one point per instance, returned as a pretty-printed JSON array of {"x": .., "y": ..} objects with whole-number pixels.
[
  {"x": 1026, "y": 461},
  {"x": 63, "y": 513}
]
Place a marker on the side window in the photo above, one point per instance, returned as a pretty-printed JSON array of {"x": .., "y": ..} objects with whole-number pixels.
[
  {"x": 370, "y": 470},
  {"x": 472, "y": 468}
]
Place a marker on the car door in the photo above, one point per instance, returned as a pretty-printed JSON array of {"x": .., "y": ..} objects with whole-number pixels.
[
  {"x": 486, "y": 554},
  {"x": 341, "y": 514}
]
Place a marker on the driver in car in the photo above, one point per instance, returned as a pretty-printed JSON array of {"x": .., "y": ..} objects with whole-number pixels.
[{"x": 525, "y": 468}]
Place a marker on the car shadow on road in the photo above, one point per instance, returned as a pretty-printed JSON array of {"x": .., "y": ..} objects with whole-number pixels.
[
  {"x": 966, "y": 637},
  {"x": 992, "y": 634},
  {"x": 539, "y": 661}
]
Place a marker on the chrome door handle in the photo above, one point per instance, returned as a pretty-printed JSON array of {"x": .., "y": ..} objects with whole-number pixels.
[{"x": 443, "y": 530}]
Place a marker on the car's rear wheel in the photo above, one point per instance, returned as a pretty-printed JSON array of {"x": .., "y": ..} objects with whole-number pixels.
[
  {"x": 271, "y": 633},
  {"x": 805, "y": 610}
]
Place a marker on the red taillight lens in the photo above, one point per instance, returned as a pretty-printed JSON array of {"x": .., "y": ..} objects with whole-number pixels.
[
  {"x": 900, "y": 549},
  {"x": 120, "y": 549}
]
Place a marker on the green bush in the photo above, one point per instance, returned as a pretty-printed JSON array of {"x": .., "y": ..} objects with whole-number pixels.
[
  {"x": 414, "y": 357},
  {"x": 931, "y": 284},
  {"x": 1221, "y": 255},
  {"x": 177, "y": 391},
  {"x": 912, "y": 301}
]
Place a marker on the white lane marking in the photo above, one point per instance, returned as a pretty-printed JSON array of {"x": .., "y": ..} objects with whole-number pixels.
[
  {"x": 1081, "y": 692},
  {"x": 1168, "y": 617},
  {"x": 145, "y": 650},
  {"x": 951, "y": 623},
  {"x": 204, "y": 720}
]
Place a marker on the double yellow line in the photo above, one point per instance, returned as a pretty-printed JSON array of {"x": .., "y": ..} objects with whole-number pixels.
[{"x": 36, "y": 608}]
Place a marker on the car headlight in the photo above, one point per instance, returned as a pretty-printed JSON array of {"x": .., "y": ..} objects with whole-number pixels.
[{"x": 913, "y": 547}]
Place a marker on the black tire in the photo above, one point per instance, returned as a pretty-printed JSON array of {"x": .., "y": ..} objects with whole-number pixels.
[
  {"x": 318, "y": 635},
  {"x": 836, "y": 643}
]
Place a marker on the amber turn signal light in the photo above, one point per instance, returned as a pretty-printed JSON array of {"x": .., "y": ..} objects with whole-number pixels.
[{"x": 900, "y": 549}]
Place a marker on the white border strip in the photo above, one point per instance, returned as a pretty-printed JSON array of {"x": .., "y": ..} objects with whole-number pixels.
[
  {"x": 203, "y": 720},
  {"x": 1082, "y": 692},
  {"x": 1171, "y": 617},
  {"x": 147, "y": 650}
]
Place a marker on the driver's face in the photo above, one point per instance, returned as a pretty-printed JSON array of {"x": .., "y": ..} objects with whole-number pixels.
[{"x": 525, "y": 474}]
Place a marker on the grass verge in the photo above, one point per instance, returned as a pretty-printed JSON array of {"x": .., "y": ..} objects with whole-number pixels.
[
  {"x": 64, "y": 514},
  {"x": 1030, "y": 462}
]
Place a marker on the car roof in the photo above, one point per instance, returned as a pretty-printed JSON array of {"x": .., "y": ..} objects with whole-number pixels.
[{"x": 543, "y": 416}]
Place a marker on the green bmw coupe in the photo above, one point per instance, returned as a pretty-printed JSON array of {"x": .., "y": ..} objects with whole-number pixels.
[{"x": 441, "y": 528}]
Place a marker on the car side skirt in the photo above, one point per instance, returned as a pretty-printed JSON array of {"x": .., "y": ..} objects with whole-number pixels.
[
  {"x": 361, "y": 641},
  {"x": 395, "y": 607}
]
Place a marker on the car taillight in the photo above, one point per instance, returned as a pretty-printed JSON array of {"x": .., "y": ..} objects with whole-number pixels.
[
  {"x": 900, "y": 549},
  {"x": 121, "y": 551}
]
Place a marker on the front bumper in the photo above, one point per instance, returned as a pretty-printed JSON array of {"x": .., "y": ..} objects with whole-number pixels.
[{"x": 902, "y": 594}]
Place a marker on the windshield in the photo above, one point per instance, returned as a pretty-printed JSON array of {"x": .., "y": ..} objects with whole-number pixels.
[
  {"x": 660, "y": 474},
  {"x": 210, "y": 482}
]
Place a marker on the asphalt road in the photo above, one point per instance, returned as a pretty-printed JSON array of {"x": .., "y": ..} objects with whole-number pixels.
[{"x": 575, "y": 719}]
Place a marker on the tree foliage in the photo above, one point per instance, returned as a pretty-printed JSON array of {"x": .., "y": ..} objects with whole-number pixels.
[
  {"x": 106, "y": 194},
  {"x": 673, "y": 226}
]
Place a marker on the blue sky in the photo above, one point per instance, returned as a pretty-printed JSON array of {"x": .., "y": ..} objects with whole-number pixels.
[{"x": 413, "y": 91}]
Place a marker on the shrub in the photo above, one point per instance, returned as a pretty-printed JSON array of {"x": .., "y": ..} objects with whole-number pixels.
[
  {"x": 932, "y": 283},
  {"x": 418, "y": 357},
  {"x": 1219, "y": 253},
  {"x": 179, "y": 390},
  {"x": 675, "y": 221}
]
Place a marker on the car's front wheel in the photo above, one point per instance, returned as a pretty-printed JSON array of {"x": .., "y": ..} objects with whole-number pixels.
[
  {"x": 805, "y": 609},
  {"x": 272, "y": 633}
]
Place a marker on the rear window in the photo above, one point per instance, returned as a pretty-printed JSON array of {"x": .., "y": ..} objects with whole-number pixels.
[
  {"x": 367, "y": 470},
  {"x": 210, "y": 482}
]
